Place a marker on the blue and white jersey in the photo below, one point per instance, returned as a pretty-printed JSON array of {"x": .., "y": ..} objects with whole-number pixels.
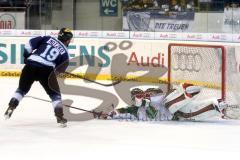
[{"x": 46, "y": 51}]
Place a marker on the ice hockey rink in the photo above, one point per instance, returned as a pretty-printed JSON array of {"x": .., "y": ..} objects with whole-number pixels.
[{"x": 32, "y": 133}]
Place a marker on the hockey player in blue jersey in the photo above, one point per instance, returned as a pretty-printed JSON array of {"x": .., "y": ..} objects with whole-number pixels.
[{"x": 42, "y": 55}]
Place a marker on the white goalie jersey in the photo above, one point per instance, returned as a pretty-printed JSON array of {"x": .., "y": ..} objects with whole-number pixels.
[{"x": 162, "y": 112}]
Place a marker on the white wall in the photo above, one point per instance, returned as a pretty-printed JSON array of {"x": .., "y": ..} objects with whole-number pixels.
[
  {"x": 208, "y": 22},
  {"x": 88, "y": 17},
  {"x": 64, "y": 17}
]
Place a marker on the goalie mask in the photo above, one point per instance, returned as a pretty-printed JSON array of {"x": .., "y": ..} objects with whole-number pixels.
[
  {"x": 140, "y": 98},
  {"x": 136, "y": 92}
]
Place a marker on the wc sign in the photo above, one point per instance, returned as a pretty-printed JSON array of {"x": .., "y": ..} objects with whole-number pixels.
[{"x": 108, "y": 7}]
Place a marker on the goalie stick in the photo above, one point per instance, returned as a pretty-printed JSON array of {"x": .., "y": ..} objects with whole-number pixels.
[
  {"x": 95, "y": 113},
  {"x": 106, "y": 85}
]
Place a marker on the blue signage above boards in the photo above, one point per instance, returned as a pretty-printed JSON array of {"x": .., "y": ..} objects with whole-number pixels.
[{"x": 108, "y": 7}]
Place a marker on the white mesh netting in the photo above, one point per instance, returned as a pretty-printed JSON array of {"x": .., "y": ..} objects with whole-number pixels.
[{"x": 203, "y": 65}]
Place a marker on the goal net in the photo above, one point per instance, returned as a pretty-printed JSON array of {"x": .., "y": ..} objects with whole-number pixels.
[{"x": 215, "y": 68}]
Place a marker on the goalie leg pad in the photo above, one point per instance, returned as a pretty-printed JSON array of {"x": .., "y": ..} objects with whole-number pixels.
[
  {"x": 196, "y": 105},
  {"x": 199, "y": 110},
  {"x": 177, "y": 106},
  {"x": 173, "y": 95}
]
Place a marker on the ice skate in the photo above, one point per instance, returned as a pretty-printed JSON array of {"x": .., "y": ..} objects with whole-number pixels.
[
  {"x": 12, "y": 105},
  {"x": 62, "y": 122},
  {"x": 59, "y": 115},
  {"x": 8, "y": 112}
]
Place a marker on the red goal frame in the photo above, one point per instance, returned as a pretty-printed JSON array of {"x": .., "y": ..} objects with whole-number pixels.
[{"x": 223, "y": 58}]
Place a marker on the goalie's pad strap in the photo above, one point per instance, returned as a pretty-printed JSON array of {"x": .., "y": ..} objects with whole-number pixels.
[
  {"x": 176, "y": 100},
  {"x": 192, "y": 114},
  {"x": 173, "y": 94},
  {"x": 202, "y": 116},
  {"x": 177, "y": 106}
]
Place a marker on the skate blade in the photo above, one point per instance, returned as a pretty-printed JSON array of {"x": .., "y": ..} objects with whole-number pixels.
[
  {"x": 8, "y": 114},
  {"x": 6, "y": 117},
  {"x": 63, "y": 125}
]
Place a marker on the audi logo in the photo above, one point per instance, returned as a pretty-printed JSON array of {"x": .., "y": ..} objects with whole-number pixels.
[{"x": 191, "y": 62}]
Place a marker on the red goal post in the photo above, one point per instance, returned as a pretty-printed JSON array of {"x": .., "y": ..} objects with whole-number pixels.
[{"x": 199, "y": 64}]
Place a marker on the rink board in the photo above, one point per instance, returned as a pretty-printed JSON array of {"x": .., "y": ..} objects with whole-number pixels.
[{"x": 114, "y": 55}]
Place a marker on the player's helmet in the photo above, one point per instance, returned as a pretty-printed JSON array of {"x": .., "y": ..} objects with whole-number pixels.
[{"x": 65, "y": 34}]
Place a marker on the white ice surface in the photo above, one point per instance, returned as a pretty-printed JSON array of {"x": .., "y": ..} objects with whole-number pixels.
[{"x": 32, "y": 134}]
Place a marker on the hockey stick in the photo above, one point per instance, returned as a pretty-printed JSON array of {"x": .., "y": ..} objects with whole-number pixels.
[
  {"x": 106, "y": 85},
  {"x": 95, "y": 114}
]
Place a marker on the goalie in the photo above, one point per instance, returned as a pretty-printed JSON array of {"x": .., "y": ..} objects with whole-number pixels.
[{"x": 180, "y": 103}]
